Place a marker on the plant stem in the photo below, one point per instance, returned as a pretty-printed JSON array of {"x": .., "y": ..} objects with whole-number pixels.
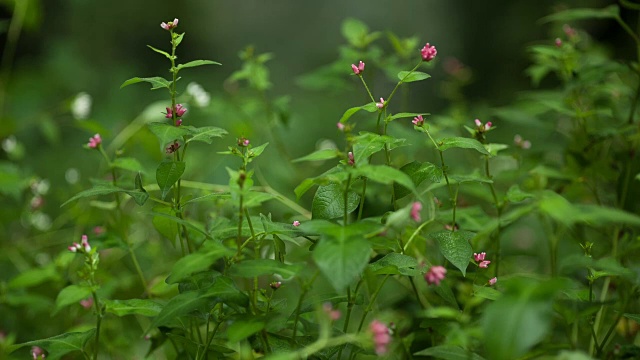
[
  {"x": 96, "y": 303},
  {"x": 367, "y": 88},
  {"x": 305, "y": 288},
  {"x": 361, "y": 206},
  {"x": 345, "y": 214},
  {"x": 499, "y": 207},
  {"x": 402, "y": 81},
  {"x": 373, "y": 298}
]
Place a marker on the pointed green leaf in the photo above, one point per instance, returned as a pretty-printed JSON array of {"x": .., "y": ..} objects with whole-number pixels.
[
  {"x": 167, "y": 174},
  {"x": 199, "y": 261},
  {"x": 355, "y": 31},
  {"x": 156, "y": 82},
  {"x": 168, "y": 133},
  {"x": 242, "y": 329},
  {"x": 160, "y": 51},
  {"x": 515, "y": 194},
  {"x": 178, "y": 38},
  {"x": 142, "y": 307},
  {"x": 385, "y": 175},
  {"x": 418, "y": 172},
  {"x": 342, "y": 259},
  {"x": 60, "y": 345},
  {"x": 449, "y": 352},
  {"x": 396, "y": 264},
  {"x": 328, "y": 202},
  {"x": 104, "y": 189},
  {"x": 195, "y": 63},
  {"x": 408, "y": 76},
  {"x": 406, "y": 115},
  {"x": 260, "y": 267},
  {"x": 455, "y": 247},
  {"x": 460, "y": 142},
  {"x": 72, "y": 294},
  {"x": 33, "y": 277},
  {"x": 609, "y": 12},
  {"x": 257, "y": 151},
  {"x": 367, "y": 144},
  {"x": 205, "y": 134},
  {"x": 319, "y": 155},
  {"x": 127, "y": 163}
]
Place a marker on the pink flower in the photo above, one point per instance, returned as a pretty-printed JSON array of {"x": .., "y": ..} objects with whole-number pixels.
[
  {"x": 37, "y": 351},
  {"x": 435, "y": 275},
  {"x": 381, "y": 337},
  {"x": 95, "y": 141},
  {"x": 558, "y": 42},
  {"x": 87, "y": 303},
  {"x": 75, "y": 247},
  {"x": 484, "y": 127},
  {"x": 170, "y": 25},
  {"x": 243, "y": 142},
  {"x": 418, "y": 120},
  {"x": 85, "y": 243},
  {"x": 381, "y": 104},
  {"x": 485, "y": 264},
  {"x": 340, "y": 126},
  {"x": 275, "y": 285},
  {"x": 178, "y": 122},
  {"x": 428, "y": 52},
  {"x": 479, "y": 257},
  {"x": 524, "y": 144},
  {"x": 180, "y": 110},
  {"x": 296, "y": 223},
  {"x": 99, "y": 230},
  {"x": 493, "y": 281},
  {"x": 329, "y": 310},
  {"x": 352, "y": 160},
  {"x": 172, "y": 147},
  {"x": 569, "y": 31},
  {"x": 358, "y": 69},
  {"x": 415, "y": 211}
]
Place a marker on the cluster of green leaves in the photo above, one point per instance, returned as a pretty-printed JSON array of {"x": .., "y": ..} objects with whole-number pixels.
[{"x": 558, "y": 222}]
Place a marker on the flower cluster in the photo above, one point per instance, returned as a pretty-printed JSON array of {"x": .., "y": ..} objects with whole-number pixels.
[
  {"x": 357, "y": 69},
  {"x": 483, "y": 127},
  {"x": 179, "y": 111},
  {"x": 435, "y": 275},
  {"x": 480, "y": 259},
  {"x": 94, "y": 141},
  {"x": 418, "y": 120},
  {"x": 296, "y": 223},
  {"x": 170, "y": 25},
  {"x": 275, "y": 285},
  {"x": 381, "y": 336},
  {"x": 243, "y": 142},
  {"x": 521, "y": 143},
  {"x": 172, "y": 147},
  {"x": 82, "y": 247},
  {"x": 381, "y": 104},
  {"x": 416, "y": 207},
  {"x": 428, "y": 52},
  {"x": 331, "y": 312}
]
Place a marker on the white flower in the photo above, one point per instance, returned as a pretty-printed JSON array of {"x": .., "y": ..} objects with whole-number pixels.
[{"x": 81, "y": 106}]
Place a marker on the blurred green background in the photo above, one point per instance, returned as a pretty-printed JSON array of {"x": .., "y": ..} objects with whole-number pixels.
[{"x": 54, "y": 49}]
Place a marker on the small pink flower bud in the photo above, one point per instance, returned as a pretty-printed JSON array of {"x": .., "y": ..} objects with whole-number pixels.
[
  {"x": 333, "y": 314},
  {"x": 85, "y": 243},
  {"x": 178, "y": 122},
  {"x": 95, "y": 141},
  {"x": 243, "y": 142},
  {"x": 418, "y": 120},
  {"x": 478, "y": 122},
  {"x": 172, "y": 147},
  {"x": 72, "y": 248},
  {"x": 479, "y": 257},
  {"x": 37, "y": 351},
  {"x": 87, "y": 303},
  {"x": 381, "y": 104},
  {"x": 275, "y": 285},
  {"x": 493, "y": 281},
  {"x": 99, "y": 230},
  {"x": 415, "y": 211},
  {"x": 381, "y": 337},
  {"x": 180, "y": 110},
  {"x": 355, "y": 69},
  {"x": 435, "y": 275},
  {"x": 558, "y": 42},
  {"x": 487, "y": 125},
  {"x": 170, "y": 25},
  {"x": 36, "y": 203},
  {"x": 524, "y": 144},
  {"x": 169, "y": 113},
  {"x": 569, "y": 31},
  {"x": 296, "y": 223},
  {"x": 352, "y": 160},
  {"x": 340, "y": 126},
  {"x": 428, "y": 52},
  {"x": 485, "y": 264}
]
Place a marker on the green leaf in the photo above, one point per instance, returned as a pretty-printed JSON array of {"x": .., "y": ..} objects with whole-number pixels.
[
  {"x": 561, "y": 210},
  {"x": 417, "y": 172},
  {"x": 204, "y": 134},
  {"x": 515, "y": 194},
  {"x": 493, "y": 149},
  {"x": 257, "y": 151},
  {"x": 160, "y": 51},
  {"x": 104, "y": 189},
  {"x": 260, "y": 267},
  {"x": 341, "y": 258},
  {"x": 319, "y": 155},
  {"x": 255, "y": 198},
  {"x": 408, "y": 76},
  {"x": 385, "y": 175},
  {"x": 33, "y": 277},
  {"x": 72, "y": 294},
  {"x": 635, "y": 317},
  {"x": 328, "y": 202},
  {"x": 449, "y": 352},
  {"x": 195, "y": 63},
  {"x": 127, "y": 163},
  {"x": 396, "y": 264},
  {"x": 167, "y": 174},
  {"x": 367, "y": 144},
  {"x": 242, "y": 329},
  {"x": 165, "y": 226},
  {"x": 610, "y": 12},
  {"x": 178, "y": 38},
  {"x": 168, "y": 133},
  {"x": 156, "y": 82},
  {"x": 405, "y": 115},
  {"x": 486, "y": 292},
  {"x": 142, "y": 307},
  {"x": 199, "y": 261},
  {"x": 355, "y": 31},
  {"x": 222, "y": 289},
  {"x": 455, "y": 247},
  {"x": 349, "y": 113},
  {"x": 461, "y": 142},
  {"x": 60, "y": 345}
]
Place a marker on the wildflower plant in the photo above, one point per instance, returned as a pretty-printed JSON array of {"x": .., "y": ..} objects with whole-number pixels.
[{"x": 413, "y": 245}]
